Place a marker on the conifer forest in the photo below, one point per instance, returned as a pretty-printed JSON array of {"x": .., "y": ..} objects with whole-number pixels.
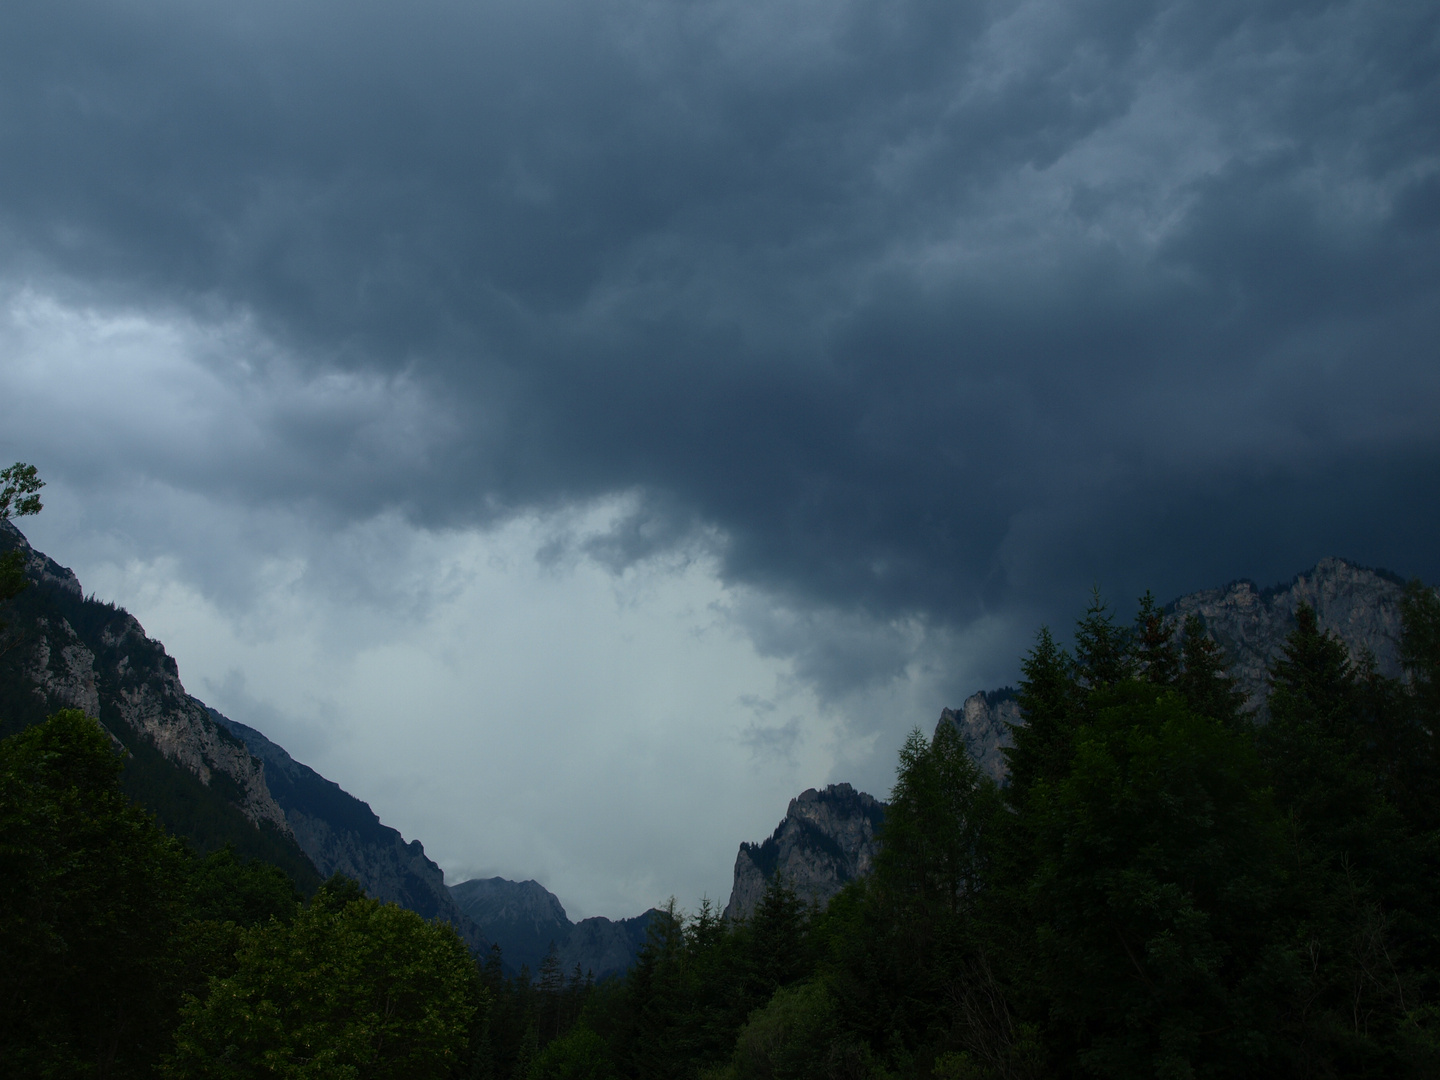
[{"x": 1166, "y": 885}]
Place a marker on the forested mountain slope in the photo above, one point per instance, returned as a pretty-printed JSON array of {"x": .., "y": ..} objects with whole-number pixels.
[
  {"x": 61, "y": 650},
  {"x": 341, "y": 834}
]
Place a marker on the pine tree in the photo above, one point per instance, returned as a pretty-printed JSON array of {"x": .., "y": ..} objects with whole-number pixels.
[
  {"x": 1419, "y": 770},
  {"x": 1102, "y": 649},
  {"x": 1157, "y": 660},
  {"x": 1202, "y": 681},
  {"x": 1048, "y": 699}
]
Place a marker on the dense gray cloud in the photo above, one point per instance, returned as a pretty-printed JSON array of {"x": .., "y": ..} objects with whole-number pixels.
[{"x": 912, "y": 310}]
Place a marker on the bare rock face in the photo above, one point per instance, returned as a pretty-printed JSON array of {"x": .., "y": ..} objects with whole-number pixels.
[
  {"x": 826, "y": 839},
  {"x": 62, "y": 668},
  {"x": 985, "y": 721},
  {"x": 117, "y": 674},
  {"x": 1359, "y": 606}
]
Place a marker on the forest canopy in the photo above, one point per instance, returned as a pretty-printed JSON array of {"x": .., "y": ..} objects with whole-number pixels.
[{"x": 1162, "y": 887}]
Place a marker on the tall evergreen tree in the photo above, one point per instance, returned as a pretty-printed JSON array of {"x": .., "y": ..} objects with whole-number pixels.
[
  {"x": 1156, "y": 658},
  {"x": 1102, "y": 649},
  {"x": 1420, "y": 658},
  {"x": 19, "y": 497},
  {"x": 1202, "y": 680},
  {"x": 1040, "y": 747},
  {"x": 92, "y": 897}
]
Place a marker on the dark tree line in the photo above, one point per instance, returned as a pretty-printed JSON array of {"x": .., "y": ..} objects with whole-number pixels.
[{"x": 1163, "y": 888}]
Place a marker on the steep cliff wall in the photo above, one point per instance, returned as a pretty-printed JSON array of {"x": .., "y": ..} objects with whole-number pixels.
[
  {"x": 826, "y": 839},
  {"x": 1360, "y": 606},
  {"x": 984, "y": 721},
  {"x": 64, "y": 651}
]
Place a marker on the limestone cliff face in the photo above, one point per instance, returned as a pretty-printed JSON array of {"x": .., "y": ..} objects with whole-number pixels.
[
  {"x": 1358, "y": 605},
  {"x": 984, "y": 721},
  {"x": 343, "y": 835},
  {"x": 112, "y": 671},
  {"x": 826, "y": 839},
  {"x": 526, "y": 920}
]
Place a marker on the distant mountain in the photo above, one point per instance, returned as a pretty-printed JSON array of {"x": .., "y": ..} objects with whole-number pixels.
[
  {"x": 526, "y": 920},
  {"x": 343, "y": 835},
  {"x": 825, "y": 840},
  {"x": 61, "y": 650},
  {"x": 1358, "y": 605}
]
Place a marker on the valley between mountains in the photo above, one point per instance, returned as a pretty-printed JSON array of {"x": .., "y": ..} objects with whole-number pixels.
[{"x": 215, "y": 782}]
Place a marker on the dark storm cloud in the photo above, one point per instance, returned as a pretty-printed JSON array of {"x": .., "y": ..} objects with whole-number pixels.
[{"x": 927, "y": 308}]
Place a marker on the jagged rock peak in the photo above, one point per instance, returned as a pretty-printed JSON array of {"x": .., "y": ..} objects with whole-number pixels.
[
  {"x": 1359, "y": 605},
  {"x": 985, "y": 721},
  {"x": 826, "y": 839}
]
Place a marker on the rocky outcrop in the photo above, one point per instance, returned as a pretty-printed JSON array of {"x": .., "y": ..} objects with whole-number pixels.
[
  {"x": 527, "y": 920},
  {"x": 985, "y": 721},
  {"x": 1359, "y": 606},
  {"x": 343, "y": 835},
  {"x": 112, "y": 671},
  {"x": 826, "y": 839}
]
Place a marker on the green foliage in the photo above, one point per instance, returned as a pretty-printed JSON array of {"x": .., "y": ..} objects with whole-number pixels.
[
  {"x": 931, "y": 854},
  {"x": 1041, "y": 745},
  {"x": 1156, "y": 659},
  {"x": 1102, "y": 649},
  {"x": 19, "y": 495},
  {"x": 91, "y": 893},
  {"x": 1202, "y": 680},
  {"x": 20, "y": 488},
  {"x": 579, "y": 1055},
  {"x": 796, "y": 1036},
  {"x": 226, "y": 888},
  {"x": 1159, "y": 864},
  {"x": 367, "y": 989}
]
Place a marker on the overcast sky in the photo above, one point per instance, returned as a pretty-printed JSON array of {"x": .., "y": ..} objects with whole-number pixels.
[{"x": 577, "y": 426}]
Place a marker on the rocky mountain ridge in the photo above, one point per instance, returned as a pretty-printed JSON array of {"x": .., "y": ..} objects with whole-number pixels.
[
  {"x": 826, "y": 839},
  {"x": 526, "y": 920},
  {"x": 62, "y": 650},
  {"x": 1359, "y": 605},
  {"x": 190, "y": 764},
  {"x": 341, "y": 834}
]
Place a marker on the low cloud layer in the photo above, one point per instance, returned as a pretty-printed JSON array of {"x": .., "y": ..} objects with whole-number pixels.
[{"x": 905, "y": 323}]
